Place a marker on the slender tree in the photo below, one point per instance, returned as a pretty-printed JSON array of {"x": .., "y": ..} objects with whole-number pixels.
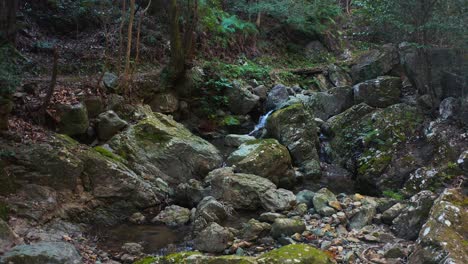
[{"x": 8, "y": 20}]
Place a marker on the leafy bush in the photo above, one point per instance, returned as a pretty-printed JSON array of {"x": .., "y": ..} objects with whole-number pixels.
[
  {"x": 310, "y": 16},
  {"x": 420, "y": 21},
  {"x": 225, "y": 28}
]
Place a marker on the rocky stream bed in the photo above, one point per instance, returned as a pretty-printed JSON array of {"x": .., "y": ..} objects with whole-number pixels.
[{"x": 356, "y": 173}]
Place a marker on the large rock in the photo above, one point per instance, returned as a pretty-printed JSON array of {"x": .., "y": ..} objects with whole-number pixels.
[
  {"x": 157, "y": 145},
  {"x": 240, "y": 100},
  {"x": 338, "y": 76},
  {"x": 408, "y": 224},
  {"x": 295, "y": 128},
  {"x": 65, "y": 165},
  {"x": 327, "y": 104},
  {"x": 277, "y": 200},
  {"x": 392, "y": 212},
  {"x": 443, "y": 237},
  {"x": 72, "y": 119},
  {"x": 254, "y": 229},
  {"x": 322, "y": 199},
  {"x": 266, "y": 158},
  {"x": 43, "y": 253},
  {"x": 277, "y": 96},
  {"x": 111, "y": 81},
  {"x": 450, "y": 108},
  {"x": 94, "y": 106},
  {"x": 286, "y": 227},
  {"x": 109, "y": 124},
  {"x": 241, "y": 191},
  {"x": 173, "y": 215},
  {"x": 367, "y": 143},
  {"x": 363, "y": 217},
  {"x": 444, "y": 63},
  {"x": 166, "y": 103},
  {"x": 299, "y": 253},
  {"x": 381, "y": 92},
  {"x": 209, "y": 210},
  {"x": 374, "y": 63},
  {"x": 305, "y": 196},
  {"x": 214, "y": 239}
]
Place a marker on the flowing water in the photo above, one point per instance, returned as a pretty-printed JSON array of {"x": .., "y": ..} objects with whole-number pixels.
[{"x": 261, "y": 123}]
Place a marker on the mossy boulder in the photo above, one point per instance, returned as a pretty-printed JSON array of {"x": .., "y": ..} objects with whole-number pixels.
[
  {"x": 367, "y": 143},
  {"x": 412, "y": 217},
  {"x": 195, "y": 257},
  {"x": 241, "y": 191},
  {"x": 63, "y": 165},
  {"x": 173, "y": 215},
  {"x": 157, "y": 145},
  {"x": 321, "y": 201},
  {"x": 72, "y": 119},
  {"x": 266, "y": 158},
  {"x": 287, "y": 227},
  {"x": 444, "y": 236},
  {"x": 297, "y": 253},
  {"x": 53, "y": 163},
  {"x": 381, "y": 92},
  {"x": 240, "y": 99},
  {"x": 370, "y": 64},
  {"x": 214, "y": 239},
  {"x": 295, "y": 128},
  {"x": 332, "y": 102}
]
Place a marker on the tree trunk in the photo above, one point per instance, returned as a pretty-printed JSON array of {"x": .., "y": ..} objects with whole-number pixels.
[
  {"x": 8, "y": 20},
  {"x": 177, "y": 62},
  {"x": 129, "y": 46}
]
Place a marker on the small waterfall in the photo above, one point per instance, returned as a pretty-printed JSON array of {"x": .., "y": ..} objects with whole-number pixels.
[{"x": 261, "y": 123}]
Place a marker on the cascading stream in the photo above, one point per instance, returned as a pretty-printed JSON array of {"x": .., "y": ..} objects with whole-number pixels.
[{"x": 261, "y": 123}]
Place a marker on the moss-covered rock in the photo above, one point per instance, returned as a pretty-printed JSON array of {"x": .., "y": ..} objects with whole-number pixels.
[
  {"x": 366, "y": 141},
  {"x": 287, "y": 227},
  {"x": 295, "y": 128},
  {"x": 443, "y": 238},
  {"x": 298, "y": 253},
  {"x": 266, "y": 158},
  {"x": 374, "y": 63},
  {"x": 61, "y": 164},
  {"x": 157, "y": 145},
  {"x": 241, "y": 191},
  {"x": 73, "y": 119},
  {"x": 381, "y": 92}
]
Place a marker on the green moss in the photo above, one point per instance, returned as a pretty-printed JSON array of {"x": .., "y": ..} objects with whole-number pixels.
[
  {"x": 230, "y": 121},
  {"x": 231, "y": 259},
  {"x": 67, "y": 140},
  {"x": 394, "y": 195},
  {"x": 179, "y": 258},
  {"x": 107, "y": 153},
  {"x": 147, "y": 260},
  {"x": 297, "y": 253}
]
